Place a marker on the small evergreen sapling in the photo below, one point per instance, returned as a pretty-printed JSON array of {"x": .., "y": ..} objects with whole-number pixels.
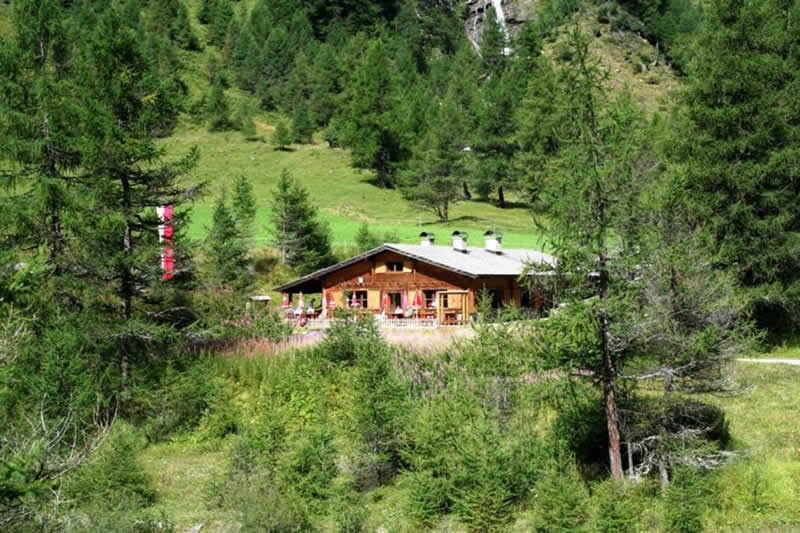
[{"x": 282, "y": 137}]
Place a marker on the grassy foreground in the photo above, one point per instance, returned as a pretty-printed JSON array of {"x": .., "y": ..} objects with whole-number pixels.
[{"x": 758, "y": 492}]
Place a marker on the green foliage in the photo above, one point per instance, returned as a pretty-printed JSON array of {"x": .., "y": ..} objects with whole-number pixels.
[
  {"x": 170, "y": 19},
  {"x": 615, "y": 510},
  {"x": 685, "y": 502},
  {"x": 217, "y": 108},
  {"x": 244, "y": 208},
  {"x": 562, "y": 501},
  {"x": 114, "y": 479},
  {"x": 736, "y": 169},
  {"x": 302, "y": 127},
  {"x": 302, "y": 239},
  {"x": 226, "y": 248},
  {"x": 281, "y": 138},
  {"x": 370, "y": 128}
]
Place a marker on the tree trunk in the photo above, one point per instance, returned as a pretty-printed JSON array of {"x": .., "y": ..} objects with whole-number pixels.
[
  {"x": 663, "y": 474},
  {"x": 126, "y": 282},
  {"x": 608, "y": 374},
  {"x": 501, "y": 197},
  {"x": 614, "y": 452},
  {"x": 630, "y": 459},
  {"x": 467, "y": 194}
]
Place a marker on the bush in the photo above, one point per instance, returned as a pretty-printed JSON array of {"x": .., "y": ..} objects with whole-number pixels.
[
  {"x": 685, "y": 502},
  {"x": 614, "y": 510},
  {"x": 115, "y": 480},
  {"x": 349, "y": 339},
  {"x": 562, "y": 501}
]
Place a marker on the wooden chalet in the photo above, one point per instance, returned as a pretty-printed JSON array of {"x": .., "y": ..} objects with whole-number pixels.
[{"x": 443, "y": 281}]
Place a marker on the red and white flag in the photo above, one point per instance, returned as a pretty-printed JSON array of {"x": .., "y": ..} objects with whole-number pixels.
[{"x": 165, "y": 232}]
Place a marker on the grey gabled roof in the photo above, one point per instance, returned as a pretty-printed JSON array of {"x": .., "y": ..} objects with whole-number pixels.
[{"x": 473, "y": 263}]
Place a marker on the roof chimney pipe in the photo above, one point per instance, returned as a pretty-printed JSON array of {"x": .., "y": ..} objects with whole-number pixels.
[
  {"x": 459, "y": 241},
  {"x": 426, "y": 238},
  {"x": 494, "y": 242}
]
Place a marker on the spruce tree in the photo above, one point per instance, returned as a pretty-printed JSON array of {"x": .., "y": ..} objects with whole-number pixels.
[
  {"x": 302, "y": 127},
  {"x": 244, "y": 208},
  {"x": 217, "y": 109},
  {"x": 370, "y": 123},
  {"x": 737, "y": 155},
  {"x": 301, "y": 238},
  {"x": 282, "y": 137},
  {"x": 226, "y": 248},
  {"x": 39, "y": 103},
  {"x": 221, "y": 17}
]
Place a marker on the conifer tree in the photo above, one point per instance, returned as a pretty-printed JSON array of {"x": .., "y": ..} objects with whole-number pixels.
[
  {"x": 435, "y": 172},
  {"x": 244, "y": 208},
  {"x": 369, "y": 131},
  {"x": 302, "y": 127},
  {"x": 593, "y": 192},
  {"x": 302, "y": 239},
  {"x": 129, "y": 179},
  {"x": 39, "y": 103},
  {"x": 282, "y": 137},
  {"x": 221, "y": 17},
  {"x": 737, "y": 157},
  {"x": 493, "y": 44},
  {"x": 217, "y": 109},
  {"x": 226, "y": 247},
  {"x": 493, "y": 142},
  {"x": 170, "y": 20}
]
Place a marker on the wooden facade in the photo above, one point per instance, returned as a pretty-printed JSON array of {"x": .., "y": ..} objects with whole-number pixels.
[{"x": 447, "y": 295}]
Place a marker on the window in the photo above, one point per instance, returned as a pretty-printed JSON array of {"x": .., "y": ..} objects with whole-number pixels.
[
  {"x": 395, "y": 300},
  {"x": 430, "y": 298},
  {"x": 396, "y": 266},
  {"x": 361, "y": 299}
]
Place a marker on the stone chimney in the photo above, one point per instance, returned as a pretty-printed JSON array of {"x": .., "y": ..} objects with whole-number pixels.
[
  {"x": 494, "y": 241},
  {"x": 426, "y": 238},
  {"x": 459, "y": 241}
]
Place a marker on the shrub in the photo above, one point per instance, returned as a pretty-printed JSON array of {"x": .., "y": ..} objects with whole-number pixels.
[
  {"x": 349, "y": 339},
  {"x": 562, "y": 501},
  {"x": 685, "y": 502},
  {"x": 115, "y": 480},
  {"x": 614, "y": 510}
]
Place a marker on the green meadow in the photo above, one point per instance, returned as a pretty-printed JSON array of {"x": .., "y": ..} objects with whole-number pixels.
[{"x": 345, "y": 196}]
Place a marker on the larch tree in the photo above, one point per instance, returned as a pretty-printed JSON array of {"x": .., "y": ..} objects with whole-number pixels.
[
  {"x": 125, "y": 179},
  {"x": 39, "y": 104},
  {"x": 593, "y": 192}
]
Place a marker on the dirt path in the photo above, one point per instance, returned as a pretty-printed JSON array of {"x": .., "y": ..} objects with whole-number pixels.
[{"x": 779, "y": 361}]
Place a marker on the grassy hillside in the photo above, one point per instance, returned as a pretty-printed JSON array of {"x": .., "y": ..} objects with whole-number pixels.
[{"x": 346, "y": 196}]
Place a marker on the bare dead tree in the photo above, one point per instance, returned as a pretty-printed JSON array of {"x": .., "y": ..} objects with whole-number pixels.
[{"x": 40, "y": 452}]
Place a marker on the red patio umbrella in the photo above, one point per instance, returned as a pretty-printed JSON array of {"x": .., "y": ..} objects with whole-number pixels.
[
  {"x": 405, "y": 300},
  {"x": 353, "y": 301},
  {"x": 285, "y": 300},
  {"x": 418, "y": 299},
  {"x": 385, "y": 301}
]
